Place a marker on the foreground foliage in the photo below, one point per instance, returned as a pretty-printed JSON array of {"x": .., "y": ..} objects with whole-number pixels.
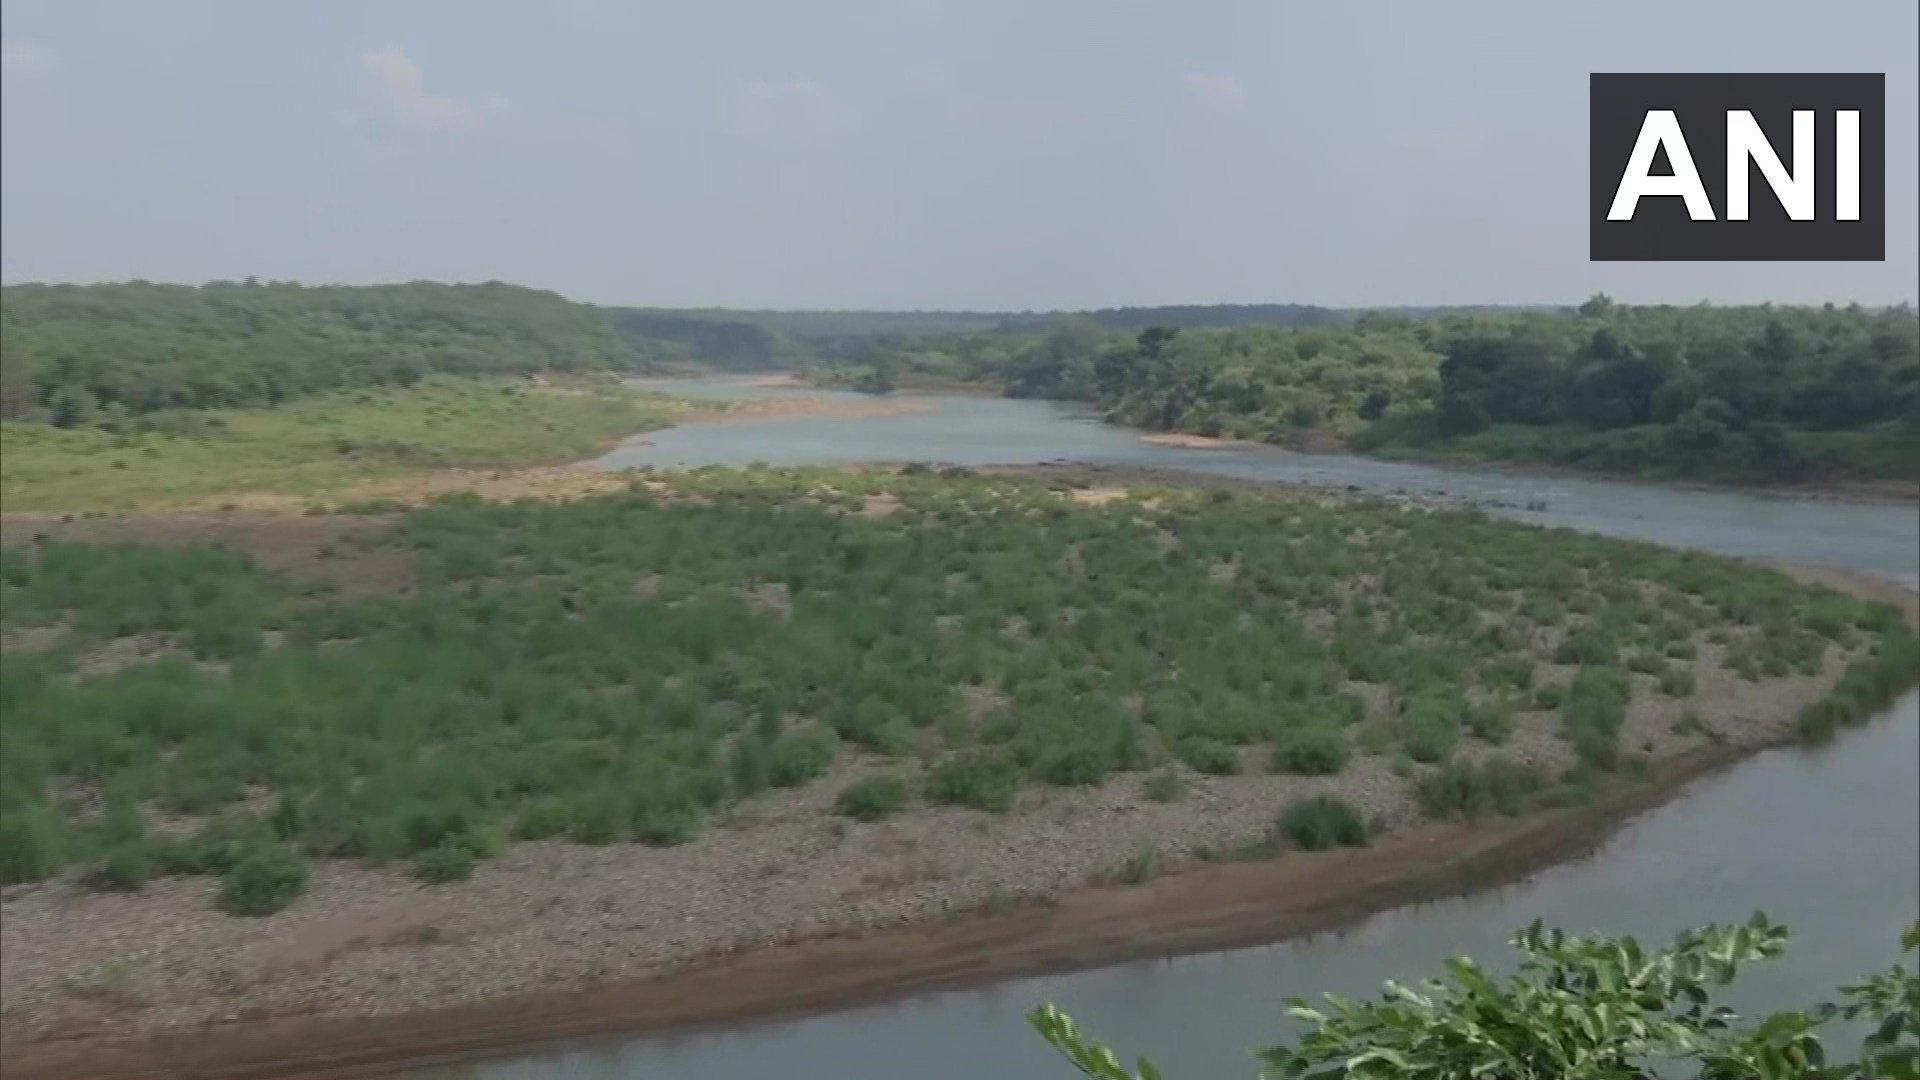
[
  {"x": 1580, "y": 1009},
  {"x": 622, "y": 667}
]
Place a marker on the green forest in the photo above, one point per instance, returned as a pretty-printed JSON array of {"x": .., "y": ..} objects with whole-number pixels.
[
  {"x": 1721, "y": 393},
  {"x": 70, "y": 352}
]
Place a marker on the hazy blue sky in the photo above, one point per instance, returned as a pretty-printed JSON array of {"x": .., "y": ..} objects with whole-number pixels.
[{"x": 912, "y": 153}]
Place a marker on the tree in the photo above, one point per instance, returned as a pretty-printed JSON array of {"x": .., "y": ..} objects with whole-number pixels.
[
  {"x": 1594, "y": 1008},
  {"x": 1376, "y": 404},
  {"x": 72, "y": 406}
]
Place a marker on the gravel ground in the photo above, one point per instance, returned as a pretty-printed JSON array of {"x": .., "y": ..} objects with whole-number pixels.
[{"x": 778, "y": 867}]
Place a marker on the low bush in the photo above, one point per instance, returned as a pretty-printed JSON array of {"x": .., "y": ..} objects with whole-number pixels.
[
  {"x": 1210, "y": 756},
  {"x": 982, "y": 780},
  {"x": 1469, "y": 790},
  {"x": 30, "y": 844},
  {"x": 264, "y": 881},
  {"x": 1676, "y": 681},
  {"x": 450, "y": 861},
  {"x": 1596, "y": 706},
  {"x": 1322, "y": 822},
  {"x": 800, "y": 755},
  {"x": 128, "y": 867},
  {"x": 1491, "y": 723},
  {"x": 1311, "y": 751},
  {"x": 872, "y": 798},
  {"x": 1165, "y": 786}
]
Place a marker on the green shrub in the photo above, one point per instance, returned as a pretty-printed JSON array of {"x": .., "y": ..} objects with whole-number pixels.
[
  {"x": 801, "y": 755},
  {"x": 1596, "y": 706},
  {"x": 450, "y": 861},
  {"x": 128, "y": 866},
  {"x": 872, "y": 798},
  {"x": 1647, "y": 663},
  {"x": 1311, "y": 751},
  {"x": 1079, "y": 762},
  {"x": 1676, "y": 682},
  {"x": 1588, "y": 645},
  {"x": 1322, "y": 822},
  {"x": 1490, "y": 723},
  {"x": 1429, "y": 734},
  {"x": 1210, "y": 756},
  {"x": 1515, "y": 672},
  {"x": 541, "y": 819},
  {"x": 266, "y": 880},
  {"x": 982, "y": 780},
  {"x": 30, "y": 844},
  {"x": 1468, "y": 790},
  {"x": 599, "y": 817}
]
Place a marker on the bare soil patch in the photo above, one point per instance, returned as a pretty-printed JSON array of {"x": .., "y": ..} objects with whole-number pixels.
[{"x": 789, "y": 408}]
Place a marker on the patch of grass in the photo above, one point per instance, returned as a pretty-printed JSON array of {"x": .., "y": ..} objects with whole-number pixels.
[{"x": 318, "y": 444}]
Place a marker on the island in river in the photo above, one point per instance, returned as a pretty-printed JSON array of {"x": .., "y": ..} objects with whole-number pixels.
[{"x": 710, "y": 727}]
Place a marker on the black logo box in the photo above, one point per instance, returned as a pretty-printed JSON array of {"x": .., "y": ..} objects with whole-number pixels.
[{"x": 1661, "y": 229}]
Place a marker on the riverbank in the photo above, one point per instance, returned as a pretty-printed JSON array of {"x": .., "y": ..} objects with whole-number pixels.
[
  {"x": 943, "y": 893},
  {"x": 1205, "y": 908},
  {"x": 316, "y": 447},
  {"x": 1870, "y": 492}
]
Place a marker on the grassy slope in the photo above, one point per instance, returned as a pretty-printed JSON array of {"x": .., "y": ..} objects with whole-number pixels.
[
  {"x": 622, "y": 667},
  {"x": 317, "y": 444}
]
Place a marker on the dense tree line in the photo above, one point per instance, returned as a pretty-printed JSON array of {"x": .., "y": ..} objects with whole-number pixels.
[
  {"x": 1752, "y": 392},
  {"x": 1610, "y": 367},
  {"x": 69, "y": 350},
  {"x": 945, "y": 342}
]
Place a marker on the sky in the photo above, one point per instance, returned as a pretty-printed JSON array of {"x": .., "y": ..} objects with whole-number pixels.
[{"x": 905, "y": 154}]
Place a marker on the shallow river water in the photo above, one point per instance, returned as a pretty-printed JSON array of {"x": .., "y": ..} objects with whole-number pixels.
[{"x": 1825, "y": 840}]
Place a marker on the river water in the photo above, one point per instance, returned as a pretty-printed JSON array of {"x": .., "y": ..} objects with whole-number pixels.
[{"x": 1826, "y": 840}]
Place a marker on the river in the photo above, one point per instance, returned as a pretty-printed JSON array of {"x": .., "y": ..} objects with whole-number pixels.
[{"x": 1826, "y": 840}]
